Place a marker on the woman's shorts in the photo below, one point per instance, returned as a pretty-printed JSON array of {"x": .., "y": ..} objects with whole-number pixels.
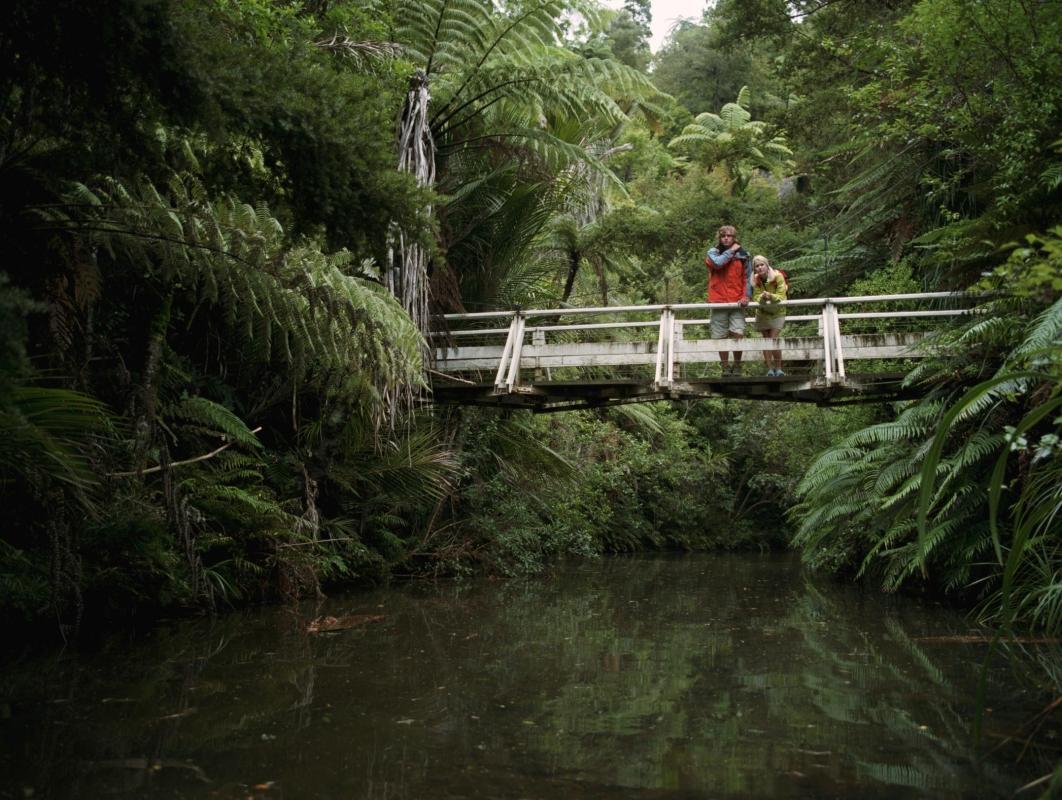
[
  {"x": 769, "y": 323},
  {"x": 726, "y": 321}
]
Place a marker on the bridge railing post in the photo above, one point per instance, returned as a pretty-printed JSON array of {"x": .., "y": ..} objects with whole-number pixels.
[
  {"x": 665, "y": 350},
  {"x": 509, "y": 362},
  {"x": 832, "y": 351},
  {"x": 513, "y": 378},
  {"x": 833, "y": 320},
  {"x": 826, "y": 332}
]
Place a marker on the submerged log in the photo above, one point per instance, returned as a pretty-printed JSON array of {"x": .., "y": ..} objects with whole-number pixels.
[{"x": 329, "y": 624}]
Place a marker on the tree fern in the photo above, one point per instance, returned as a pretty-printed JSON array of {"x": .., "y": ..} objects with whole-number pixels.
[
  {"x": 497, "y": 80},
  {"x": 734, "y": 139},
  {"x": 308, "y": 309}
]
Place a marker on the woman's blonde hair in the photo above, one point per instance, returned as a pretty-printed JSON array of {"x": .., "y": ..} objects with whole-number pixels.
[{"x": 760, "y": 260}]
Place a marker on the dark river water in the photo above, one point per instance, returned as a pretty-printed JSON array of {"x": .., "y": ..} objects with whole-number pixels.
[{"x": 701, "y": 676}]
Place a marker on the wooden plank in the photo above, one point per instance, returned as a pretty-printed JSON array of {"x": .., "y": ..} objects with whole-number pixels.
[
  {"x": 802, "y": 348},
  {"x": 857, "y": 340}
]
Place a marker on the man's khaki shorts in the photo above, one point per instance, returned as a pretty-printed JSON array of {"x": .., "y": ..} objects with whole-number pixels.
[{"x": 726, "y": 321}]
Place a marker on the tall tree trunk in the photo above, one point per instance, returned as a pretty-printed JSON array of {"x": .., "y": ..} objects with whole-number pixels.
[
  {"x": 574, "y": 257},
  {"x": 65, "y": 567},
  {"x": 145, "y": 420}
]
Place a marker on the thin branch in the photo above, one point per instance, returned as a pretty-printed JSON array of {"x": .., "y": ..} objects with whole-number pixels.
[
  {"x": 187, "y": 461},
  {"x": 1033, "y": 784},
  {"x": 320, "y": 541},
  {"x": 451, "y": 377}
]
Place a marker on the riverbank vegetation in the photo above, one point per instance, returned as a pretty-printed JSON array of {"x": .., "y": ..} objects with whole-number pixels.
[{"x": 217, "y": 278}]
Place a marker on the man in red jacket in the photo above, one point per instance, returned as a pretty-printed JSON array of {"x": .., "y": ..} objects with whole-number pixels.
[{"x": 728, "y": 282}]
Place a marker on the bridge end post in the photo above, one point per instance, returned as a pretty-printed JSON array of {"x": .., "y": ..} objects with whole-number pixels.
[
  {"x": 665, "y": 351},
  {"x": 509, "y": 361}
]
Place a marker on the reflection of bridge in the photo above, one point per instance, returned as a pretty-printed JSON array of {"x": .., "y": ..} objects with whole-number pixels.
[{"x": 835, "y": 350}]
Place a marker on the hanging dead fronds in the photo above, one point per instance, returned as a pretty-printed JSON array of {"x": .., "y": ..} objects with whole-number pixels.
[
  {"x": 361, "y": 53},
  {"x": 407, "y": 264}
]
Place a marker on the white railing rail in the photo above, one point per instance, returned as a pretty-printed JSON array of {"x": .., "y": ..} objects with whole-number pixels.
[{"x": 836, "y": 341}]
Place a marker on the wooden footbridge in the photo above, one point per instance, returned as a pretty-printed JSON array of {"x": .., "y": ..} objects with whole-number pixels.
[{"x": 834, "y": 350}]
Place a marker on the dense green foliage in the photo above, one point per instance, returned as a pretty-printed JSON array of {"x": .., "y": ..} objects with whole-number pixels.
[
  {"x": 196, "y": 231},
  {"x": 208, "y": 394},
  {"x": 952, "y": 110}
]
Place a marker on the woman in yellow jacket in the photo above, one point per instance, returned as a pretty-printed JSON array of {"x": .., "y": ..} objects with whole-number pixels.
[{"x": 769, "y": 289}]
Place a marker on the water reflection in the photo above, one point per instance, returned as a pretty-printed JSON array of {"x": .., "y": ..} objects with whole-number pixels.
[{"x": 702, "y": 676}]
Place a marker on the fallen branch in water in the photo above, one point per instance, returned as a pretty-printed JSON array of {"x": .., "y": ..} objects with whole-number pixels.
[
  {"x": 1033, "y": 784},
  {"x": 329, "y": 624},
  {"x": 982, "y": 639},
  {"x": 150, "y": 765}
]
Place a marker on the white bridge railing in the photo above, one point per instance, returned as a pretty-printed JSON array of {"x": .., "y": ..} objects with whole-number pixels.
[{"x": 667, "y": 345}]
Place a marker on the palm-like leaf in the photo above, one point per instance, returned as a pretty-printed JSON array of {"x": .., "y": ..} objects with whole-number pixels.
[{"x": 46, "y": 435}]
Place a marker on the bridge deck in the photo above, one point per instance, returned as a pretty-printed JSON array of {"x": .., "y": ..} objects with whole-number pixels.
[{"x": 646, "y": 353}]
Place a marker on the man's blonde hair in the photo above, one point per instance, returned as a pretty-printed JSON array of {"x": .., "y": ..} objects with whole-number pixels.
[{"x": 725, "y": 229}]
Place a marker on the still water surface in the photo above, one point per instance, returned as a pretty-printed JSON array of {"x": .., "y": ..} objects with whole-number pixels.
[{"x": 652, "y": 677}]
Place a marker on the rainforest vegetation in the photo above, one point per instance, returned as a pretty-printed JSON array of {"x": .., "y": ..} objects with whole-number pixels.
[{"x": 226, "y": 224}]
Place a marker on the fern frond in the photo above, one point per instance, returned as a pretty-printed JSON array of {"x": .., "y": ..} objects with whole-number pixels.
[
  {"x": 298, "y": 304},
  {"x": 1045, "y": 333},
  {"x": 217, "y": 419}
]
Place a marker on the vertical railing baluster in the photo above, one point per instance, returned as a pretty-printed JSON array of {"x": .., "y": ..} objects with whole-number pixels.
[
  {"x": 676, "y": 345},
  {"x": 838, "y": 351},
  {"x": 538, "y": 339},
  {"x": 827, "y": 336},
  {"x": 661, "y": 340},
  {"x": 665, "y": 350},
  {"x": 670, "y": 348}
]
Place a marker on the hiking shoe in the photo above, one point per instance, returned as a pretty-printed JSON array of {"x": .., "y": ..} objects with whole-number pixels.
[
  {"x": 735, "y": 370},
  {"x": 771, "y": 373},
  {"x": 779, "y": 374}
]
